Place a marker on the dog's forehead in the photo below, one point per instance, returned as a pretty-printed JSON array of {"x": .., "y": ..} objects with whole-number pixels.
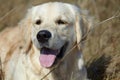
[{"x": 53, "y": 9}]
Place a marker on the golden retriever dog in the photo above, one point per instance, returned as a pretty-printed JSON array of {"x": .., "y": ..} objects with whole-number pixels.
[{"x": 40, "y": 42}]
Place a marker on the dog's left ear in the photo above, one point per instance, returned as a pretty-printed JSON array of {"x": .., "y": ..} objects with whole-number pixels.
[
  {"x": 83, "y": 25},
  {"x": 25, "y": 27}
]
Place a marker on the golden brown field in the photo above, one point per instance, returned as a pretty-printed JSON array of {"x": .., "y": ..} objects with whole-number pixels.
[{"x": 102, "y": 47}]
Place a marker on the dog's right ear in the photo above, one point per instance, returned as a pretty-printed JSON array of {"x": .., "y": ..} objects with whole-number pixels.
[
  {"x": 83, "y": 25},
  {"x": 25, "y": 26}
]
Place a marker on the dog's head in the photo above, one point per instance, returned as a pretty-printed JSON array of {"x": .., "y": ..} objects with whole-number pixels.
[{"x": 54, "y": 28}]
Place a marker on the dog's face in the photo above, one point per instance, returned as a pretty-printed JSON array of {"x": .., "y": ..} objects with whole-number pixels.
[
  {"x": 53, "y": 30},
  {"x": 53, "y": 26}
]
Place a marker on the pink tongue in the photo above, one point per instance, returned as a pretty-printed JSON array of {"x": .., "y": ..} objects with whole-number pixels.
[{"x": 47, "y": 60}]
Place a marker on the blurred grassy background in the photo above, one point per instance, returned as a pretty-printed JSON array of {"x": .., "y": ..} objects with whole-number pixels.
[{"x": 102, "y": 47}]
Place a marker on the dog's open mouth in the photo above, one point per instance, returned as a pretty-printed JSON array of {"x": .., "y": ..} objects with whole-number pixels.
[{"x": 48, "y": 56}]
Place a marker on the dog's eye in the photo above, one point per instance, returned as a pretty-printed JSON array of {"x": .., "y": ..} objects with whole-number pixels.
[
  {"x": 38, "y": 22},
  {"x": 60, "y": 22}
]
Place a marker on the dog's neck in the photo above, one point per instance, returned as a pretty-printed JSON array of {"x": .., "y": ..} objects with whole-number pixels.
[{"x": 68, "y": 68}]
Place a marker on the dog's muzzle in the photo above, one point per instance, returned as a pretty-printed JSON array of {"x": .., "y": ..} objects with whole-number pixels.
[{"x": 48, "y": 55}]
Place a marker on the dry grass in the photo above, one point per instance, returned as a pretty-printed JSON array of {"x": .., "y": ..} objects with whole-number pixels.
[{"x": 102, "y": 47}]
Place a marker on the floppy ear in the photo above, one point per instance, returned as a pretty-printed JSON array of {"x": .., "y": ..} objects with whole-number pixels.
[
  {"x": 25, "y": 26},
  {"x": 83, "y": 26}
]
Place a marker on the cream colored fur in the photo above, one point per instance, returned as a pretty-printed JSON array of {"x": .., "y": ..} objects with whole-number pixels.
[{"x": 20, "y": 50}]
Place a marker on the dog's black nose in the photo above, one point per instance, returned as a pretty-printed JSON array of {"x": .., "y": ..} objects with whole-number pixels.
[{"x": 43, "y": 36}]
